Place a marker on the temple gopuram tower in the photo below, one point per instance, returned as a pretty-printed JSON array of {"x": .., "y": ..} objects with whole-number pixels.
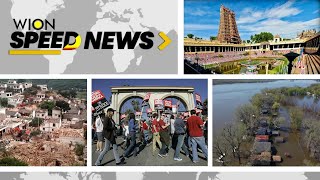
[{"x": 228, "y": 30}]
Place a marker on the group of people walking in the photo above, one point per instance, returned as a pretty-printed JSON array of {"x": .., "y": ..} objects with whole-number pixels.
[{"x": 177, "y": 132}]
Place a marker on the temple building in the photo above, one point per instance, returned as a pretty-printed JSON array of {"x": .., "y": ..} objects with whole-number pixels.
[{"x": 228, "y": 30}]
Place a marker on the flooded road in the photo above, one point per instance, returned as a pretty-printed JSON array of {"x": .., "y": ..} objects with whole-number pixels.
[{"x": 227, "y": 97}]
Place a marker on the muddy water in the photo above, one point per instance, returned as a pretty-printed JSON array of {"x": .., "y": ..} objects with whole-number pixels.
[{"x": 291, "y": 144}]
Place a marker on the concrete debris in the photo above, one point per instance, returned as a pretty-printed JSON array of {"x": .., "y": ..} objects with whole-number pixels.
[{"x": 45, "y": 153}]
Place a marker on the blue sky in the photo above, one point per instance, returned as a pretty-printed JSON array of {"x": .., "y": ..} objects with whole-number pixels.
[
  {"x": 105, "y": 85},
  {"x": 282, "y": 17}
]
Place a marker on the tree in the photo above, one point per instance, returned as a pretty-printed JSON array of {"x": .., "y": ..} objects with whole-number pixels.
[
  {"x": 68, "y": 93},
  {"x": 212, "y": 38},
  {"x": 276, "y": 106},
  {"x": 11, "y": 161},
  {"x": 47, "y": 105},
  {"x": 190, "y": 36},
  {"x": 262, "y": 37},
  {"x": 248, "y": 115},
  {"x": 278, "y": 122},
  {"x": 36, "y": 122},
  {"x": 3, "y": 102},
  {"x": 296, "y": 116},
  {"x": 234, "y": 136},
  {"x": 312, "y": 138},
  {"x": 63, "y": 105},
  {"x": 220, "y": 148},
  {"x": 79, "y": 149},
  {"x": 136, "y": 105},
  {"x": 262, "y": 100},
  {"x": 257, "y": 100},
  {"x": 36, "y": 132}
]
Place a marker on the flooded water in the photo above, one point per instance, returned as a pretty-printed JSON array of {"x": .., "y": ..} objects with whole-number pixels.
[
  {"x": 292, "y": 144},
  {"x": 227, "y": 97}
]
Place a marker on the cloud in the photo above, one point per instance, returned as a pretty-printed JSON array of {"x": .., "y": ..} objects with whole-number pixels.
[
  {"x": 272, "y": 20},
  {"x": 202, "y": 10},
  {"x": 316, "y": 11},
  {"x": 284, "y": 28},
  {"x": 249, "y": 15},
  {"x": 284, "y": 10},
  {"x": 198, "y": 12},
  {"x": 197, "y": 27}
]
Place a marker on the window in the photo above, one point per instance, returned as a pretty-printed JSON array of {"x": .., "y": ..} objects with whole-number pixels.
[
  {"x": 54, "y": 124},
  {"x": 43, "y": 128}
]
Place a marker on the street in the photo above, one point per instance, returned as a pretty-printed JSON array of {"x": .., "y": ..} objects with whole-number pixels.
[{"x": 145, "y": 157}]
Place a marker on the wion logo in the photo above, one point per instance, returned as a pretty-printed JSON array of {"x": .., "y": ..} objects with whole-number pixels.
[{"x": 41, "y": 34}]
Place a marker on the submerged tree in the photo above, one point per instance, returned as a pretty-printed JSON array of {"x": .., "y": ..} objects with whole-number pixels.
[
  {"x": 296, "y": 117},
  {"x": 248, "y": 115},
  {"x": 230, "y": 142},
  {"x": 312, "y": 138}
]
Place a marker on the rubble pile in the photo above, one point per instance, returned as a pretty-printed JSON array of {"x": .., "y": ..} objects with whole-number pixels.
[
  {"x": 75, "y": 133},
  {"x": 45, "y": 153}
]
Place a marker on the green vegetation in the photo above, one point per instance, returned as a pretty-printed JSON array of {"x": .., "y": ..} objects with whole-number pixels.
[
  {"x": 60, "y": 84},
  {"x": 312, "y": 138},
  {"x": 36, "y": 122},
  {"x": 279, "y": 69},
  {"x": 47, "y": 105},
  {"x": 79, "y": 149},
  {"x": 64, "y": 106},
  {"x": 3, "y": 102},
  {"x": 295, "y": 91},
  {"x": 233, "y": 81},
  {"x": 190, "y": 36},
  {"x": 11, "y": 161},
  {"x": 262, "y": 37},
  {"x": 82, "y": 95},
  {"x": 68, "y": 93},
  {"x": 247, "y": 114},
  {"x": 35, "y": 133},
  {"x": 32, "y": 91},
  {"x": 212, "y": 38},
  {"x": 296, "y": 116}
]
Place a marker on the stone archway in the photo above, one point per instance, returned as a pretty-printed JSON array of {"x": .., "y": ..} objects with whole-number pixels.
[{"x": 121, "y": 93}]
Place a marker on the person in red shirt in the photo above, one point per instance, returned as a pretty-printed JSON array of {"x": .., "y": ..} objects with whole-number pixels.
[
  {"x": 155, "y": 133},
  {"x": 195, "y": 125},
  {"x": 164, "y": 136},
  {"x": 145, "y": 130}
]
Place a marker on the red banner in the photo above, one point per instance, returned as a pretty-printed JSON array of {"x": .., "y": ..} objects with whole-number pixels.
[
  {"x": 158, "y": 102},
  {"x": 96, "y": 96},
  {"x": 167, "y": 103},
  {"x": 198, "y": 97}
]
